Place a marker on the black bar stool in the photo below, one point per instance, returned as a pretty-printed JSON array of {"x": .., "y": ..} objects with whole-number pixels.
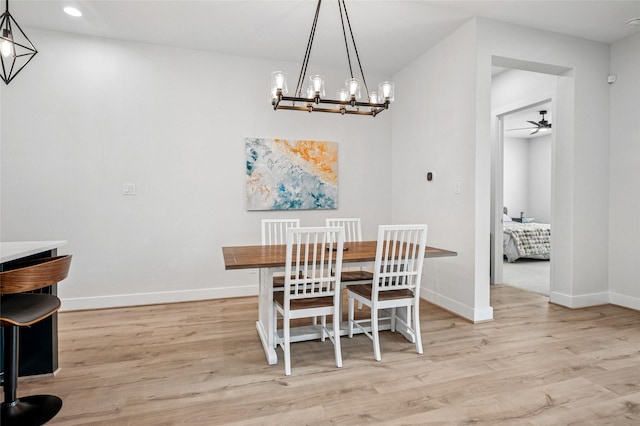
[{"x": 20, "y": 309}]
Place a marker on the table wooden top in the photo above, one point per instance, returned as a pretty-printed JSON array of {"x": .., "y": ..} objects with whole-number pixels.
[{"x": 249, "y": 257}]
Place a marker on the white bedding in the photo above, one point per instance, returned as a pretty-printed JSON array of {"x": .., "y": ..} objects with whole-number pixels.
[{"x": 528, "y": 240}]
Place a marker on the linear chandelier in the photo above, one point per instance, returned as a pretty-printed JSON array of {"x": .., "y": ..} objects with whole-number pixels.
[
  {"x": 16, "y": 50},
  {"x": 312, "y": 98}
]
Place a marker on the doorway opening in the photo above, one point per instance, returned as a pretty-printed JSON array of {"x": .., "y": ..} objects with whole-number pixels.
[
  {"x": 526, "y": 220},
  {"x": 522, "y": 173}
]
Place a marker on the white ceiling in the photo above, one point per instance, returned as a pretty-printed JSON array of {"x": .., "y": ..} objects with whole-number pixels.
[{"x": 390, "y": 34}]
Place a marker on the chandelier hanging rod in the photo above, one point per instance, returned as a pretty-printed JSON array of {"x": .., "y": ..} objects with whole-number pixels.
[{"x": 348, "y": 98}]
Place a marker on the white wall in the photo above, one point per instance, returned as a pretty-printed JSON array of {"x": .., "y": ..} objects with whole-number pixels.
[
  {"x": 433, "y": 130},
  {"x": 539, "y": 182},
  {"x": 624, "y": 186},
  {"x": 516, "y": 176},
  {"x": 514, "y": 87},
  {"x": 444, "y": 124},
  {"x": 527, "y": 177},
  {"x": 89, "y": 114}
]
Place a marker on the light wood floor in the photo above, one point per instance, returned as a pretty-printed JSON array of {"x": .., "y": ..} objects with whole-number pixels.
[{"x": 201, "y": 363}]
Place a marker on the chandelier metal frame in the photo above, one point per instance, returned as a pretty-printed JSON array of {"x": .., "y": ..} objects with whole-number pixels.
[{"x": 314, "y": 99}]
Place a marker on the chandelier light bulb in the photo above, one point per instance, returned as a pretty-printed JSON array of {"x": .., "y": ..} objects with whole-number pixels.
[
  {"x": 273, "y": 93},
  {"x": 343, "y": 95},
  {"x": 353, "y": 86},
  {"x": 6, "y": 47},
  {"x": 279, "y": 80},
  {"x": 311, "y": 93},
  {"x": 317, "y": 81},
  {"x": 373, "y": 97},
  {"x": 278, "y": 84},
  {"x": 386, "y": 91}
]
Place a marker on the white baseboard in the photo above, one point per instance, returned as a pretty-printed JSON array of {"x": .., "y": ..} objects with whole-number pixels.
[
  {"x": 136, "y": 299},
  {"x": 465, "y": 311},
  {"x": 580, "y": 301},
  {"x": 455, "y": 307},
  {"x": 624, "y": 301}
]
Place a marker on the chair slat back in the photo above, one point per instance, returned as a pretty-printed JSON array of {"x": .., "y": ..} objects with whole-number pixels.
[
  {"x": 313, "y": 262},
  {"x": 352, "y": 227},
  {"x": 399, "y": 258},
  {"x": 274, "y": 231},
  {"x": 34, "y": 274}
]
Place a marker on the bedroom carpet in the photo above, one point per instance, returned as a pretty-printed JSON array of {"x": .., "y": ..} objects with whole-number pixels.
[{"x": 527, "y": 274}]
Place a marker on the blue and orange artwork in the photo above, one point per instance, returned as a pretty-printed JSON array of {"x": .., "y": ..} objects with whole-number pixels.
[{"x": 291, "y": 174}]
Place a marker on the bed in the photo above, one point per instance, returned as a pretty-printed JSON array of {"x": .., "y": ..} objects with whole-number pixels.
[{"x": 526, "y": 240}]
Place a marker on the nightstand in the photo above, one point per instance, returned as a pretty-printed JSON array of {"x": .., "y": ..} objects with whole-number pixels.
[{"x": 523, "y": 219}]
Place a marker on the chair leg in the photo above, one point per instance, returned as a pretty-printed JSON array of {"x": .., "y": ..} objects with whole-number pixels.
[
  {"x": 287, "y": 344},
  {"x": 350, "y": 317},
  {"x": 323, "y": 326},
  {"x": 375, "y": 334},
  {"x": 336, "y": 338},
  {"x": 393, "y": 320},
  {"x": 408, "y": 322},
  {"x": 416, "y": 328},
  {"x": 275, "y": 327},
  {"x": 29, "y": 410}
]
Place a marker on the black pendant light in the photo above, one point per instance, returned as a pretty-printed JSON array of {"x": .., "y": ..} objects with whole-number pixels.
[{"x": 16, "y": 50}]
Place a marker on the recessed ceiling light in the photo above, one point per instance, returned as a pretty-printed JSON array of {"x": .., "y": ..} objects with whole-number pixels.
[
  {"x": 634, "y": 22},
  {"x": 72, "y": 11}
]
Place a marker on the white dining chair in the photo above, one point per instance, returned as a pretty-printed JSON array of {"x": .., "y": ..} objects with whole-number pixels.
[
  {"x": 274, "y": 231},
  {"x": 352, "y": 227},
  {"x": 396, "y": 283},
  {"x": 352, "y": 232},
  {"x": 311, "y": 285}
]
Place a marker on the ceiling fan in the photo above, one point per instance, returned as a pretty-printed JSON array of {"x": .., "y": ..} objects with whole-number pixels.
[{"x": 540, "y": 125}]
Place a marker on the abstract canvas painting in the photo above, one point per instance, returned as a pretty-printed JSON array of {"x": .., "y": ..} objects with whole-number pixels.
[{"x": 291, "y": 174}]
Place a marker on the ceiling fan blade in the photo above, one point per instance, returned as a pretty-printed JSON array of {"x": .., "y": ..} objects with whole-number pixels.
[
  {"x": 523, "y": 128},
  {"x": 533, "y": 132}
]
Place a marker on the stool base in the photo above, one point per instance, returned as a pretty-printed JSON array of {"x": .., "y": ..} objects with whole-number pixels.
[{"x": 33, "y": 410}]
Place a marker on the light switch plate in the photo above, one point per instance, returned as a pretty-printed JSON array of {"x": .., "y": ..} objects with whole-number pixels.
[{"x": 129, "y": 189}]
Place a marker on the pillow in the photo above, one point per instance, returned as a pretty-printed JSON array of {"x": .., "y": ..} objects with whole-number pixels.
[{"x": 506, "y": 218}]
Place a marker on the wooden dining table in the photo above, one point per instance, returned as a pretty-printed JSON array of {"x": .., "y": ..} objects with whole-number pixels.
[{"x": 269, "y": 259}]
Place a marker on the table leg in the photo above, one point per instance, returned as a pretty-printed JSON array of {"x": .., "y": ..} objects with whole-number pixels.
[
  {"x": 265, "y": 325},
  {"x": 401, "y": 312}
]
